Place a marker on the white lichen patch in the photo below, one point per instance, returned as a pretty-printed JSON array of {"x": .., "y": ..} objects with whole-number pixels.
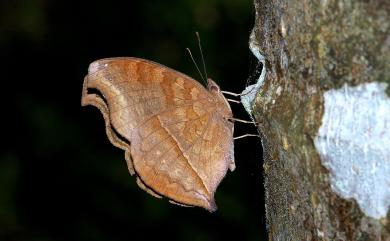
[
  {"x": 249, "y": 94},
  {"x": 354, "y": 145}
]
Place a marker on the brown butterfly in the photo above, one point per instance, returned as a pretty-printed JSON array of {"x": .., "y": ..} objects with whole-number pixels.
[{"x": 176, "y": 134}]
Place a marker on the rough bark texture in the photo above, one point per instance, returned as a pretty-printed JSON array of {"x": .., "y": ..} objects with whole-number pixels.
[{"x": 311, "y": 47}]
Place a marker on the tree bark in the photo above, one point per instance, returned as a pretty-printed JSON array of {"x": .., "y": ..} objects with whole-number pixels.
[{"x": 312, "y": 48}]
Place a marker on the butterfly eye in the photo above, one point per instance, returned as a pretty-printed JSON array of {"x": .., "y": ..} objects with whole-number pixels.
[{"x": 214, "y": 88}]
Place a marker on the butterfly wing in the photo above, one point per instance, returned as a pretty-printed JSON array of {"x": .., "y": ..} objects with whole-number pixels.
[{"x": 180, "y": 146}]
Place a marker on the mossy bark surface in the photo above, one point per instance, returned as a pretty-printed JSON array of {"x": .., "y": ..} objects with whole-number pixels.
[{"x": 311, "y": 47}]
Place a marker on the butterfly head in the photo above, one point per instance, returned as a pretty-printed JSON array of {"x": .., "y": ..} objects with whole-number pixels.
[
  {"x": 212, "y": 86},
  {"x": 225, "y": 109}
]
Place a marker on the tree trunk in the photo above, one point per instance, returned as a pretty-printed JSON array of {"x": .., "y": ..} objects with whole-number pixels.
[{"x": 324, "y": 113}]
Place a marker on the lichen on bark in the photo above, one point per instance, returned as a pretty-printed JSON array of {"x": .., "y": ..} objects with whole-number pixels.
[{"x": 311, "y": 47}]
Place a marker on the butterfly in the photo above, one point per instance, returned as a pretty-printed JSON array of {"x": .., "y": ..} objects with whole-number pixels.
[{"x": 177, "y": 135}]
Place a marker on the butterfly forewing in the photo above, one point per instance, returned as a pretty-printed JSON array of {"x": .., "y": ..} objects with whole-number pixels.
[{"x": 180, "y": 145}]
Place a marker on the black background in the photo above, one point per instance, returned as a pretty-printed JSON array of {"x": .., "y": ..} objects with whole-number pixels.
[{"x": 60, "y": 178}]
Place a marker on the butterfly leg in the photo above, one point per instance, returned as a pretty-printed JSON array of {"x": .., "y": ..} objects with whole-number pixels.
[
  {"x": 243, "y": 136},
  {"x": 246, "y": 122},
  {"x": 234, "y": 101},
  {"x": 230, "y": 93},
  {"x": 235, "y": 94},
  {"x": 242, "y": 121}
]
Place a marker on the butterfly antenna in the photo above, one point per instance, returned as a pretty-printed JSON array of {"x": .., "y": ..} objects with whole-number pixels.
[
  {"x": 201, "y": 54},
  {"x": 193, "y": 60}
]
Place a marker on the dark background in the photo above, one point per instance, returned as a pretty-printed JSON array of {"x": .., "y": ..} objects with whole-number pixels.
[{"x": 60, "y": 178}]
